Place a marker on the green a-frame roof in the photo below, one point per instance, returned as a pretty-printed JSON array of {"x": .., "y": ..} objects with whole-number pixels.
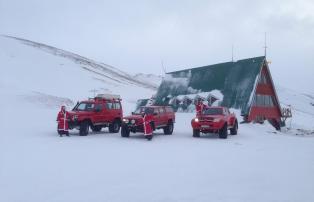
[{"x": 235, "y": 80}]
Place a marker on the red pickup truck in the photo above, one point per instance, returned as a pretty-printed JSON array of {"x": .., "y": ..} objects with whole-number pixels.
[
  {"x": 105, "y": 110},
  {"x": 215, "y": 120},
  {"x": 163, "y": 117}
]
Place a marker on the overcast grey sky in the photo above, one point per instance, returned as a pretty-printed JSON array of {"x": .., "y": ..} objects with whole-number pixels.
[{"x": 136, "y": 36}]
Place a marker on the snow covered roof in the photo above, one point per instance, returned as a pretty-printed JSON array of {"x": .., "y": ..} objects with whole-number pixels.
[
  {"x": 235, "y": 81},
  {"x": 205, "y": 95}
]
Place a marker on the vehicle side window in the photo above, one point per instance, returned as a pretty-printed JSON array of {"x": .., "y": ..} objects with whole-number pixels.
[
  {"x": 169, "y": 109},
  {"x": 109, "y": 105},
  {"x": 81, "y": 106},
  {"x": 117, "y": 105},
  {"x": 98, "y": 107},
  {"x": 156, "y": 111},
  {"x": 89, "y": 107},
  {"x": 162, "y": 110}
]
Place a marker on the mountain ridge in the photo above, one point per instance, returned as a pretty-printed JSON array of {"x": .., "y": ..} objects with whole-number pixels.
[{"x": 88, "y": 64}]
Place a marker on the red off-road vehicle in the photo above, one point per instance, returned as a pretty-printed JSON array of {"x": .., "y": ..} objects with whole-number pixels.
[
  {"x": 104, "y": 110},
  {"x": 162, "y": 117},
  {"x": 215, "y": 120}
]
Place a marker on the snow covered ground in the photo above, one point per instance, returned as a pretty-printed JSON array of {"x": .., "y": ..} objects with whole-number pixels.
[
  {"x": 256, "y": 165},
  {"x": 259, "y": 164}
]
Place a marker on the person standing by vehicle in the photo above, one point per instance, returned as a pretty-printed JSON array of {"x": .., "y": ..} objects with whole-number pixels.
[
  {"x": 63, "y": 122},
  {"x": 200, "y": 106},
  {"x": 148, "y": 131}
]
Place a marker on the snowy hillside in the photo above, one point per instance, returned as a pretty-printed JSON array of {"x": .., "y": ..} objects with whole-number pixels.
[
  {"x": 259, "y": 164},
  {"x": 35, "y": 69},
  {"x": 301, "y": 105},
  {"x": 149, "y": 78}
]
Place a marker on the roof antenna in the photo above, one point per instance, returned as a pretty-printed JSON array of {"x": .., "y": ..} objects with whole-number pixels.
[
  {"x": 163, "y": 68},
  {"x": 265, "y": 45},
  {"x": 232, "y": 53}
]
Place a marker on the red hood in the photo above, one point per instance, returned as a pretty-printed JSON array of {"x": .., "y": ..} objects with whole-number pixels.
[
  {"x": 211, "y": 116},
  {"x": 134, "y": 116},
  {"x": 79, "y": 113}
]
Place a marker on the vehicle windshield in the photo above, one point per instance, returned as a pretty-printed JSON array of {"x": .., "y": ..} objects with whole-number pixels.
[
  {"x": 213, "y": 111},
  {"x": 146, "y": 110},
  {"x": 84, "y": 106}
]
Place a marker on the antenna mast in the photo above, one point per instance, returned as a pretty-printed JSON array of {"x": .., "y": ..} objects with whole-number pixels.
[
  {"x": 163, "y": 68},
  {"x": 265, "y": 45},
  {"x": 232, "y": 53}
]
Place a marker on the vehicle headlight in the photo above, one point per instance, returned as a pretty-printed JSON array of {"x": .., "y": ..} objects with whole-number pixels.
[
  {"x": 133, "y": 121},
  {"x": 126, "y": 120},
  {"x": 216, "y": 120},
  {"x": 196, "y": 120}
]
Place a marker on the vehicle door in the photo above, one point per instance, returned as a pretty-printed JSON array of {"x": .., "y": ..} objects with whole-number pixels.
[
  {"x": 163, "y": 116},
  {"x": 117, "y": 109},
  {"x": 156, "y": 117},
  {"x": 98, "y": 113},
  {"x": 108, "y": 112}
]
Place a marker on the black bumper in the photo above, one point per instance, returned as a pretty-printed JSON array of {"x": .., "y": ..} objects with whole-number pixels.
[
  {"x": 134, "y": 128},
  {"x": 73, "y": 124}
]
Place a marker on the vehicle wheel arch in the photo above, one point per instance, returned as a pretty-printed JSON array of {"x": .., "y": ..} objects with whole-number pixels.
[
  {"x": 89, "y": 121},
  {"x": 118, "y": 119}
]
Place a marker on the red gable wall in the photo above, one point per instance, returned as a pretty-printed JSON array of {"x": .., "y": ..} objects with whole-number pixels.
[{"x": 265, "y": 104}]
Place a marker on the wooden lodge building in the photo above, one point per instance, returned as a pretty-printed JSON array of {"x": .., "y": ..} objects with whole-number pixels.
[{"x": 245, "y": 84}]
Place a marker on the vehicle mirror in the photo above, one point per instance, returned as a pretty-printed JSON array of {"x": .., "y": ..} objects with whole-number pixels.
[
  {"x": 97, "y": 110},
  {"x": 155, "y": 113},
  {"x": 133, "y": 113}
]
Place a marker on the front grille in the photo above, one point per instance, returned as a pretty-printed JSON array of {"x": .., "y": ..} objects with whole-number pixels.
[{"x": 206, "y": 119}]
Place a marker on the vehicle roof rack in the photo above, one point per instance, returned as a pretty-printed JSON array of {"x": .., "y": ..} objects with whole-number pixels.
[{"x": 108, "y": 97}]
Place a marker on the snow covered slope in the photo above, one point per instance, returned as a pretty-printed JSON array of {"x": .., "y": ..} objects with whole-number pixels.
[
  {"x": 34, "y": 69},
  {"x": 301, "y": 105},
  {"x": 149, "y": 78}
]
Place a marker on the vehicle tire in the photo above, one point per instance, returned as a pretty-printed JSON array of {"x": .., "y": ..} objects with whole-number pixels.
[
  {"x": 84, "y": 128},
  {"x": 149, "y": 137},
  {"x": 196, "y": 133},
  {"x": 234, "y": 129},
  {"x": 125, "y": 132},
  {"x": 114, "y": 127},
  {"x": 168, "y": 130},
  {"x": 96, "y": 128},
  {"x": 223, "y": 133}
]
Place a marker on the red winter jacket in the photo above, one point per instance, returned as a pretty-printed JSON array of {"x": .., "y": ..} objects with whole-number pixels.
[
  {"x": 200, "y": 107},
  {"x": 63, "y": 120},
  {"x": 147, "y": 127}
]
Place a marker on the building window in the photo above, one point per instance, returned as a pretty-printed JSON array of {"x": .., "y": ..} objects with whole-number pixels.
[{"x": 263, "y": 101}]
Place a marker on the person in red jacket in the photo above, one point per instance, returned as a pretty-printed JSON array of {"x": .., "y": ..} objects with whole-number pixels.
[
  {"x": 148, "y": 131},
  {"x": 200, "y": 106},
  {"x": 63, "y": 122}
]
